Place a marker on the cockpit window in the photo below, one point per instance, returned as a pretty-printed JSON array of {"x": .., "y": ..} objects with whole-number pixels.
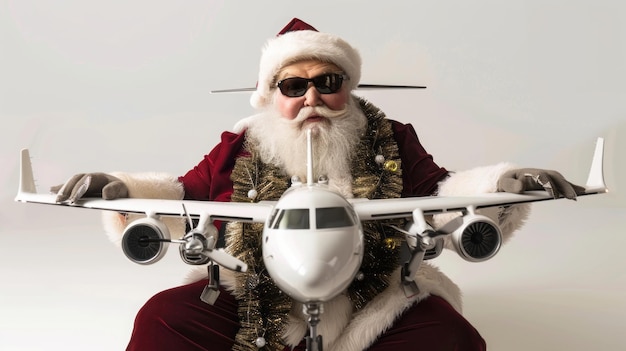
[
  {"x": 332, "y": 217},
  {"x": 296, "y": 218},
  {"x": 272, "y": 219}
]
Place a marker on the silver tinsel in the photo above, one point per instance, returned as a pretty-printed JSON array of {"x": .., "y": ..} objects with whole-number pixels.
[{"x": 263, "y": 308}]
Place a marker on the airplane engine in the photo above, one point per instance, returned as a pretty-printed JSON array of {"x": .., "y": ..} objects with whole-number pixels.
[
  {"x": 477, "y": 239},
  {"x": 145, "y": 240},
  {"x": 192, "y": 251}
]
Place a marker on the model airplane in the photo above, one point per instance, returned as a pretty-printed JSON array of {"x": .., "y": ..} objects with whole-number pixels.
[{"x": 312, "y": 239}]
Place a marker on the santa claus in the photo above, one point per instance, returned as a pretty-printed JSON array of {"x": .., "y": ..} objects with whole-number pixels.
[{"x": 305, "y": 82}]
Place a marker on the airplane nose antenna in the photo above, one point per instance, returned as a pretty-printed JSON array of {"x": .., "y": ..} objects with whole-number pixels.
[{"x": 309, "y": 158}]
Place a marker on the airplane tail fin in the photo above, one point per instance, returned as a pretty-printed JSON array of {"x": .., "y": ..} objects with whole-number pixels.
[
  {"x": 595, "y": 180},
  {"x": 27, "y": 180}
]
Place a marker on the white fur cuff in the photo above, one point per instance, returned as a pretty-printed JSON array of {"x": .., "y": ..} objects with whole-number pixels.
[
  {"x": 144, "y": 186},
  {"x": 481, "y": 180}
]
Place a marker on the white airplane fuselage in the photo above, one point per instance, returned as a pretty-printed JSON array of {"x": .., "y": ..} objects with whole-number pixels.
[{"x": 312, "y": 243}]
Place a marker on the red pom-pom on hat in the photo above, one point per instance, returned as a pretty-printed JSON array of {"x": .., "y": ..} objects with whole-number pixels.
[{"x": 295, "y": 25}]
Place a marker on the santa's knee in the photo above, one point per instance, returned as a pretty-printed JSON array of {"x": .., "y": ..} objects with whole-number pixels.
[
  {"x": 158, "y": 312},
  {"x": 459, "y": 333},
  {"x": 434, "y": 324},
  {"x": 466, "y": 337}
]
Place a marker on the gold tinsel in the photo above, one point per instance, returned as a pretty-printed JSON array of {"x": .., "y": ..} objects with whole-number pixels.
[{"x": 263, "y": 308}]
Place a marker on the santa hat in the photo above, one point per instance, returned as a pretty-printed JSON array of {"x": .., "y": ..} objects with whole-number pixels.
[{"x": 300, "y": 41}]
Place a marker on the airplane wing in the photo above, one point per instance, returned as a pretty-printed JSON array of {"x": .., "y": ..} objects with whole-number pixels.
[
  {"x": 225, "y": 211},
  {"x": 143, "y": 239},
  {"x": 404, "y": 207},
  {"x": 259, "y": 212}
]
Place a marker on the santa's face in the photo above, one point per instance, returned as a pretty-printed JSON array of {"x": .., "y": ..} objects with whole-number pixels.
[
  {"x": 336, "y": 120},
  {"x": 289, "y": 107}
]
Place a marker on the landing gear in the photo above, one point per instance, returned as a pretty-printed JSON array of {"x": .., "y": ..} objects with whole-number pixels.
[{"x": 313, "y": 310}]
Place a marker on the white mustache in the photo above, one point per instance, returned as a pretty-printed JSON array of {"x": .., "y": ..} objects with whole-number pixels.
[{"x": 321, "y": 111}]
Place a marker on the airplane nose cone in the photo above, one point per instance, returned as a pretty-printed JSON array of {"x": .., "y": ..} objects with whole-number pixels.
[
  {"x": 316, "y": 280},
  {"x": 315, "y": 273},
  {"x": 315, "y": 270}
]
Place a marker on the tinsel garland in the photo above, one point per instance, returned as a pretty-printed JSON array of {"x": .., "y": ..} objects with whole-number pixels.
[{"x": 263, "y": 308}]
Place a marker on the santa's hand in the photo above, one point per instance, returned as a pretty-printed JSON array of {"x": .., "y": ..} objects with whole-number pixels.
[
  {"x": 523, "y": 179},
  {"x": 90, "y": 185}
]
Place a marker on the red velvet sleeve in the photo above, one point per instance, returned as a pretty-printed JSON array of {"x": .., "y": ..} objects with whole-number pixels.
[
  {"x": 420, "y": 174},
  {"x": 210, "y": 179}
]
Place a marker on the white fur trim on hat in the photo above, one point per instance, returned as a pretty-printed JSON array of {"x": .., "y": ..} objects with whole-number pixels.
[{"x": 301, "y": 45}]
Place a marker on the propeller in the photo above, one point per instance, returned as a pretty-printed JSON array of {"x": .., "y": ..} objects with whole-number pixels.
[
  {"x": 359, "y": 87},
  {"x": 192, "y": 249},
  {"x": 144, "y": 242},
  {"x": 225, "y": 260},
  {"x": 198, "y": 245}
]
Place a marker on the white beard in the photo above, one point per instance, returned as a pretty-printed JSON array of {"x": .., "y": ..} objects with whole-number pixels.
[{"x": 282, "y": 142}]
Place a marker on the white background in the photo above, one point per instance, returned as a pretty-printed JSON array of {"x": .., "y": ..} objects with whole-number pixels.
[{"x": 124, "y": 85}]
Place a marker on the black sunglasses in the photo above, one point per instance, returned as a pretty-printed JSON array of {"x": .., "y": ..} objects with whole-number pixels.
[{"x": 328, "y": 83}]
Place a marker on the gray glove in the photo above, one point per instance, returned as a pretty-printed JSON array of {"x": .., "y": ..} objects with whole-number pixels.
[
  {"x": 90, "y": 185},
  {"x": 523, "y": 179}
]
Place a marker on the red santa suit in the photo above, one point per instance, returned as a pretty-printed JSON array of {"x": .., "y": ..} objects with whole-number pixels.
[
  {"x": 179, "y": 317},
  {"x": 374, "y": 313}
]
